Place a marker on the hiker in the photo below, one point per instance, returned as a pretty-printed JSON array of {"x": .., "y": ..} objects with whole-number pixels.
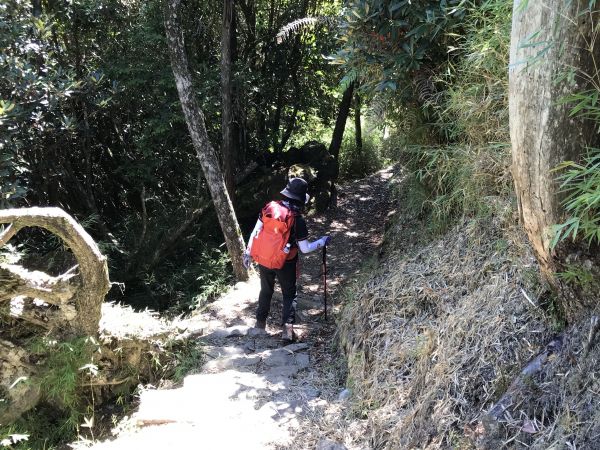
[{"x": 276, "y": 251}]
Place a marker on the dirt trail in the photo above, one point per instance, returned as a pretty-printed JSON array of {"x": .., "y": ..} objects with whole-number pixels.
[{"x": 252, "y": 393}]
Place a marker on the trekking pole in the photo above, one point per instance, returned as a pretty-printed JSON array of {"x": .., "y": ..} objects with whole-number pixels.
[{"x": 324, "y": 268}]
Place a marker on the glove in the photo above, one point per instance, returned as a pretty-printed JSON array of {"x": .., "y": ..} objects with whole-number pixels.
[
  {"x": 246, "y": 260},
  {"x": 325, "y": 240}
]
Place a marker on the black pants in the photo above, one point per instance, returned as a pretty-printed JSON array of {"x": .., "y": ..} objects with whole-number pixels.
[{"x": 286, "y": 277}]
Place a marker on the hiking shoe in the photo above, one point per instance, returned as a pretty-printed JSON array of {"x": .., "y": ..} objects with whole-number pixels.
[
  {"x": 260, "y": 324},
  {"x": 287, "y": 332}
]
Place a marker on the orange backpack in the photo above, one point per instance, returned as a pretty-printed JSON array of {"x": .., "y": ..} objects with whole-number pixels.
[{"x": 269, "y": 246}]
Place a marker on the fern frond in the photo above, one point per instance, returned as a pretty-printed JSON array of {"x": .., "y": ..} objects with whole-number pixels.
[
  {"x": 298, "y": 24},
  {"x": 350, "y": 77},
  {"x": 427, "y": 92}
]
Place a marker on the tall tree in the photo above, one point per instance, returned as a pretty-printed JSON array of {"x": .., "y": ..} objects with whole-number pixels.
[
  {"x": 229, "y": 140},
  {"x": 340, "y": 122},
  {"x": 204, "y": 150},
  {"x": 549, "y": 40},
  {"x": 357, "y": 123}
]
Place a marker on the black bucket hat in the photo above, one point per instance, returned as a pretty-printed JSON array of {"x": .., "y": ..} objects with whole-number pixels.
[{"x": 296, "y": 190}]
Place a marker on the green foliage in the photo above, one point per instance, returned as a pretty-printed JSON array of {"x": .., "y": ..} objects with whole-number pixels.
[
  {"x": 90, "y": 118},
  {"x": 383, "y": 42},
  {"x": 213, "y": 276},
  {"x": 580, "y": 182},
  {"x": 66, "y": 366},
  {"x": 453, "y": 136},
  {"x": 576, "y": 274},
  {"x": 460, "y": 179},
  {"x": 189, "y": 359},
  {"x": 474, "y": 105},
  {"x": 357, "y": 163}
]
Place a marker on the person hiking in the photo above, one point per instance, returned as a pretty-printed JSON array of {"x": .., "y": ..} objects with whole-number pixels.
[{"x": 279, "y": 233}]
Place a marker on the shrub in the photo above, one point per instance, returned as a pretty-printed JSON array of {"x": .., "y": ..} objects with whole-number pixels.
[
  {"x": 455, "y": 139},
  {"x": 358, "y": 163},
  {"x": 214, "y": 275},
  {"x": 460, "y": 179},
  {"x": 581, "y": 184}
]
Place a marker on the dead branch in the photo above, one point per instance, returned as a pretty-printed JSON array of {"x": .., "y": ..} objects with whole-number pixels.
[
  {"x": 491, "y": 420},
  {"x": 17, "y": 281},
  {"x": 8, "y": 233},
  {"x": 594, "y": 327},
  {"x": 42, "y": 314},
  {"x": 108, "y": 382}
]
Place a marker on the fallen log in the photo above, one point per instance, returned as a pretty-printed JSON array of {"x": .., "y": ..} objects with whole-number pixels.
[
  {"x": 64, "y": 306},
  {"x": 92, "y": 267},
  {"x": 18, "y": 281}
]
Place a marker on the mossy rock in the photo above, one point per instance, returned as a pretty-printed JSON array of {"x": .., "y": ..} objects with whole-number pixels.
[{"x": 304, "y": 171}]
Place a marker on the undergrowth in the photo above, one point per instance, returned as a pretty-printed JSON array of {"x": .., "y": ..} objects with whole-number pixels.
[
  {"x": 580, "y": 182},
  {"x": 359, "y": 162},
  {"x": 66, "y": 406},
  {"x": 455, "y": 140},
  {"x": 213, "y": 276}
]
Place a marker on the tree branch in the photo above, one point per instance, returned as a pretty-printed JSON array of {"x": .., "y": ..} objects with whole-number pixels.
[
  {"x": 16, "y": 281},
  {"x": 8, "y": 233}
]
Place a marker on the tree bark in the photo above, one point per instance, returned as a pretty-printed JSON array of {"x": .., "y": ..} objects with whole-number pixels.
[
  {"x": 229, "y": 141},
  {"x": 93, "y": 270},
  {"x": 18, "y": 393},
  {"x": 542, "y": 132},
  {"x": 204, "y": 150},
  {"x": 36, "y": 8},
  {"x": 357, "y": 123},
  {"x": 340, "y": 123}
]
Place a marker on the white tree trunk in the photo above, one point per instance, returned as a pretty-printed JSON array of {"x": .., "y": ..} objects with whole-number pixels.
[
  {"x": 549, "y": 39},
  {"x": 204, "y": 150}
]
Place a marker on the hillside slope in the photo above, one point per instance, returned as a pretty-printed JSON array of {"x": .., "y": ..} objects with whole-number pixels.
[{"x": 440, "y": 330}]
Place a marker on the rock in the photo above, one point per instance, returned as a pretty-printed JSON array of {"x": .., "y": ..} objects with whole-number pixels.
[
  {"x": 311, "y": 392},
  {"x": 302, "y": 360},
  {"x": 322, "y": 200},
  {"x": 218, "y": 352},
  {"x": 299, "y": 346},
  {"x": 302, "y": 171},
  {"x": 273, "y": 358},
  {"x": 310, "y": 152},
  {"x": 344, "y": 395},
  {"x": 326, "y": 444},
  {"x": 257, "y": 332},
  {"x": 283, "y": 357},
  {"x": 238, "y": 330},
  {"x": 234, "y": 362},
  {"x": 277, "y": 374}
]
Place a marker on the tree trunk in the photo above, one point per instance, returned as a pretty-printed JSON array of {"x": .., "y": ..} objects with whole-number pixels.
[
  {"x": 204, "y": 150},
  {"x": 542, "y": 132},
  {"x": 228, "y": 145},
  {"x": 340, "y": 123},
  {"x": 92, "y": 267},
  {"x": 36, "y": 8},
  {"x": 357, "y": 124}
]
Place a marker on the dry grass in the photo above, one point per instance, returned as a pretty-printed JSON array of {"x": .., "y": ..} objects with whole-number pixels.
[{"x": 433, "y": 338}]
